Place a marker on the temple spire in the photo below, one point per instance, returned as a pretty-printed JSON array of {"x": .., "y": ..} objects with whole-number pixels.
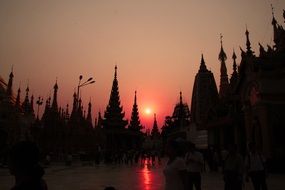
[
  {"x": 54, "y": 101},
  {"x": 224, "y": 81},
  {"x": 180, "y": 98},
  {"x": 274, "y": 22},
  {"x": 234, "y": 76},
  {"x": 26, "y": 103},
  {"x": 135, "y": 124},
  {"x": 234, "y": 63},
  {"x": 47, "y": 108},
  {"x": 10, "y": 83},
  {"x": 154, "y": 131},
  {"x": 202, "y": 64},
  {"x": 114, "y": 115},
  {"x": 222, "y": 55},
  {"x": 248, "y": 44},
  {"x": 135, "y": 101},
  {"x": 115, "y": 75}
]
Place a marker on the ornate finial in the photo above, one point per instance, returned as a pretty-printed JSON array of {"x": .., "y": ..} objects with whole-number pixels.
[
  {"x": 222, "y": 55},
  {"x": 248, "y": 45},
  {"x": 272, "y": 10},
  {"x": 202, "y": 64},
  {"x": 274, "y": 22},
  {"x": 180, "y": 97},
  {"x": 135, "y": 97},
  {"x": 116, "y": 71},
  {"x": 202, "y": 59},
  {"x": 154, "y": 116},
  {"x": 234, "y": 58}
]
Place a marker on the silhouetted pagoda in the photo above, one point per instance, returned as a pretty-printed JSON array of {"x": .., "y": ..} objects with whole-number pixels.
[
  {"x": 134, "y": 129},
  {"x": 154, "y": 131},
  {"x": 181, "y": 114},
  {"x": 114, "y": 123},
  {"x": 204, "y": 95},
  {"x": 135, "y": 124},
  {"x": 114, "y": 115},
  {"x": 177, "y": 125},
  {"x": 180, "y": 119}
]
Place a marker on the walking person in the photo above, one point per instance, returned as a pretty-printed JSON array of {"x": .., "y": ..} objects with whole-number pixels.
[
  {"x": 233, "y": 169},
  {"x": 175, "y": 170},
  {"x": 255, "y": 166},
  {"x": 194, "y": 164}
]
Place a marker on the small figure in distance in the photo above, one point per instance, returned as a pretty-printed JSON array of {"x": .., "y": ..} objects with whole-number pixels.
[{"x": 23, "y": 164}]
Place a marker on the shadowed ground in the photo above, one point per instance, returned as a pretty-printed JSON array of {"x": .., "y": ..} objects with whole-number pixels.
[{"x": 122, "y": 177}]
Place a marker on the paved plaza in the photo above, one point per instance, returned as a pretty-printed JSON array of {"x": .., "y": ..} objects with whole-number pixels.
[{"x": 123, "y": 177}]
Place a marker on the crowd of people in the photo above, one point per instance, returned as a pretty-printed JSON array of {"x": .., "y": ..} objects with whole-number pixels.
[
  {"x": 109, "y": 157},
  {"x": 184, "y": 167},
  {"x": 182, "y": 170}
]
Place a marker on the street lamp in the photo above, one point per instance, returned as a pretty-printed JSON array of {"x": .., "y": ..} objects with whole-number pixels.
[
  {"x": 39, "y": 103},
  {"x": 87, "y": 82}
]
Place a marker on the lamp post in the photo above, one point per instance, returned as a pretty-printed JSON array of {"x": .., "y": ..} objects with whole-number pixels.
[
  {"x": 39, "y": 103},
  {"x": 87, "y": 82}
]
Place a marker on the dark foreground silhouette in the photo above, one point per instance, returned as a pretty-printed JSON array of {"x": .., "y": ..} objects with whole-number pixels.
[{"x": 23, "y": 164}]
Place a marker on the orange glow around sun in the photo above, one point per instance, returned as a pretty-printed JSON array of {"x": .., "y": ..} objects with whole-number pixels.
[{"x": 148, "y": 111}]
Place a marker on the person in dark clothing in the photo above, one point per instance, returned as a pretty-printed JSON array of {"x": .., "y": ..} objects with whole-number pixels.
[
  {"x": 233, "y": 169},
  {"x": 255, "y": 166},
  {"x": 23, "y": 164},
  {"x": 194, "y": 164}
]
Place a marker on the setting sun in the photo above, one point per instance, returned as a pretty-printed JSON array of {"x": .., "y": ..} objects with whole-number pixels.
[{"x": 148, "y": 111}]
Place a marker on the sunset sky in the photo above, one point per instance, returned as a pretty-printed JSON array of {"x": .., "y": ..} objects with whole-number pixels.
[{"x": 156, "y": 44}]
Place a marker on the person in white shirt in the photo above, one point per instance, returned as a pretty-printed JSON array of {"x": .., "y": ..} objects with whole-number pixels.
[
  {"x": 255, "y": 166},
  {"x": 194, "y": 163},
  {"x": 175, "y": 170}
]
